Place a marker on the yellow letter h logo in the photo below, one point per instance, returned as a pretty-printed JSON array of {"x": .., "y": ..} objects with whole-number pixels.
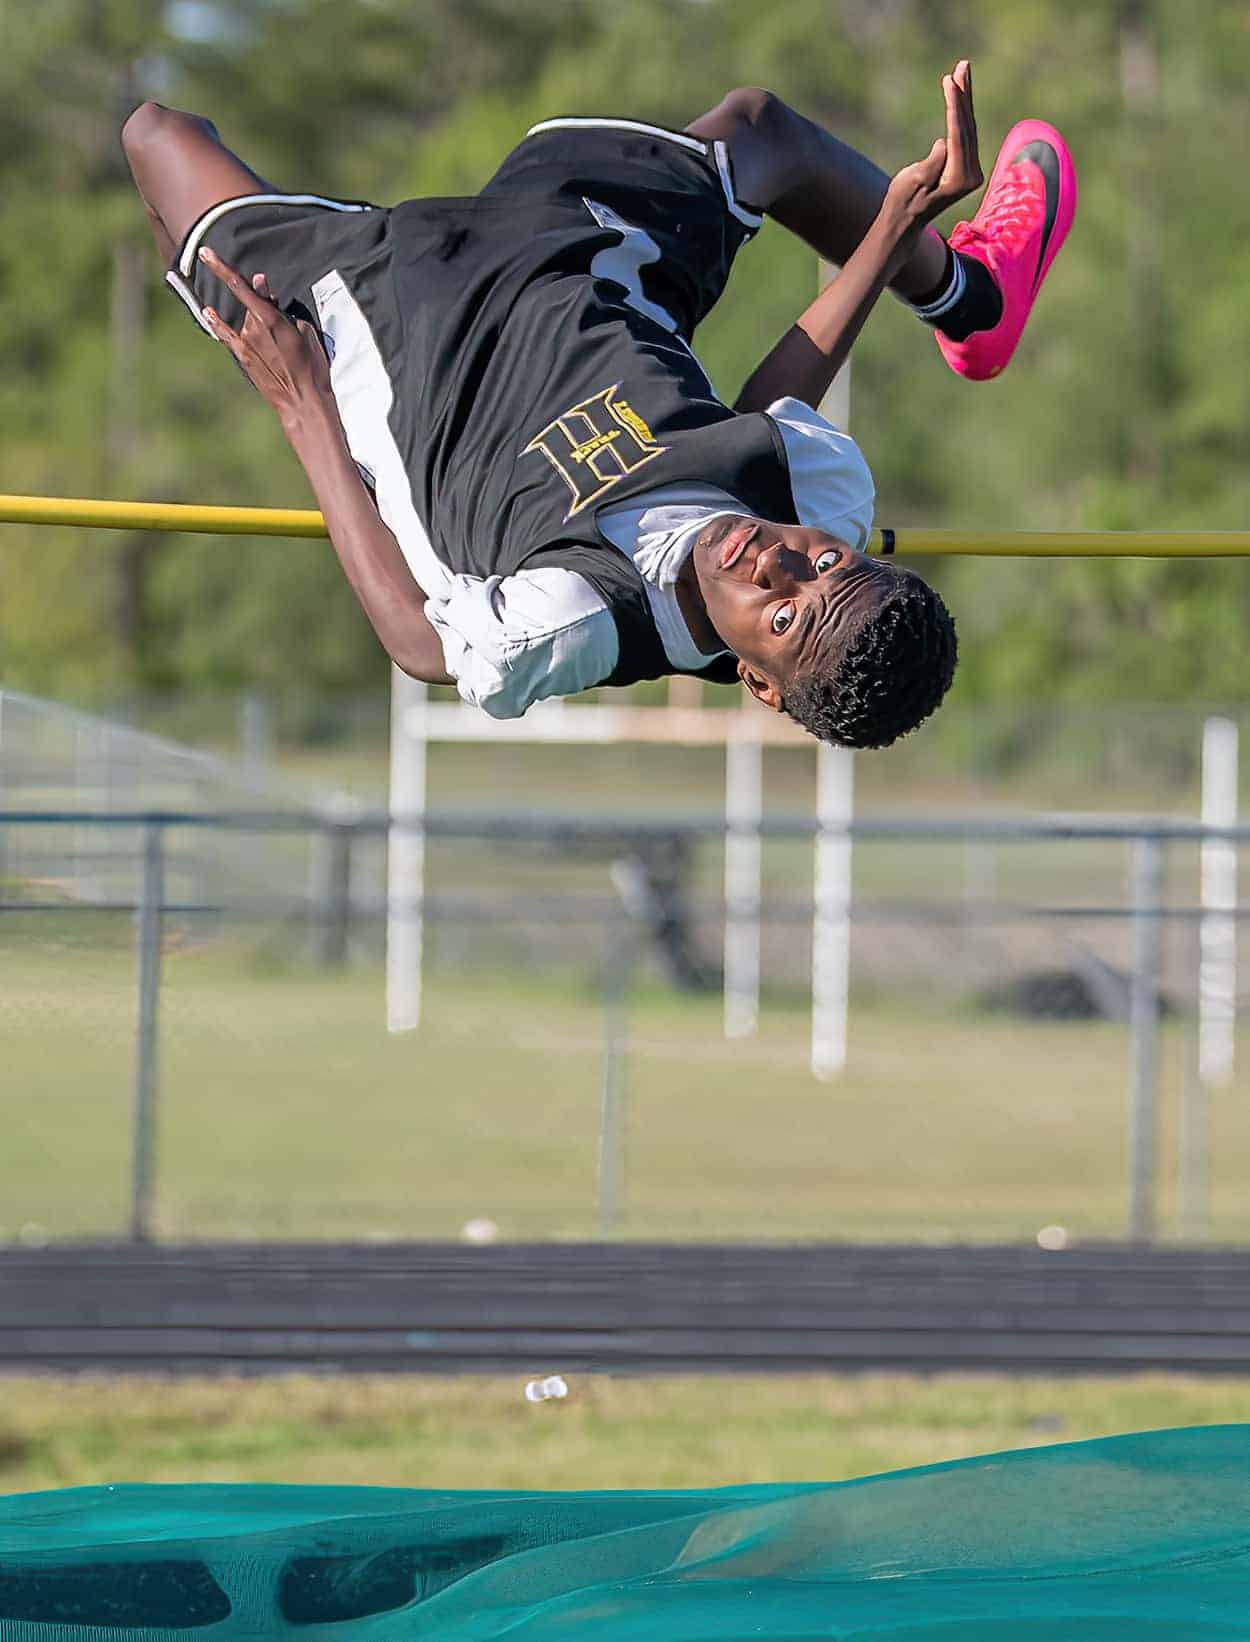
[{"x": 595, "y": 445}]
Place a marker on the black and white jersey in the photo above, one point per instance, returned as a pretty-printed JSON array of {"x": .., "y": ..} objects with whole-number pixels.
[{"x": 514, "y": 373}]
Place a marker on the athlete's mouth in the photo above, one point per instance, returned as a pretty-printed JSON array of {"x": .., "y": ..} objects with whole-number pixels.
[{"x": 736, "y": 542}]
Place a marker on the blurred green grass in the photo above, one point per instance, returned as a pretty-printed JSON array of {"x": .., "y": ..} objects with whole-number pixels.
[
  {"x": 286, "y": 1111},
  {"x": 473, "y": 1432}
]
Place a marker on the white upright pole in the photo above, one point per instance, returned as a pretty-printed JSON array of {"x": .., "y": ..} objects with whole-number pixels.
[
  {"x": 743, "y": 807},
  {"x": 831, "y": 927},
  {"x": 405, "y": 860},
  {"x": 835, "y": 797},
  {"x": 835, "y": 407},
  {"x": 1217, "y": 968}
]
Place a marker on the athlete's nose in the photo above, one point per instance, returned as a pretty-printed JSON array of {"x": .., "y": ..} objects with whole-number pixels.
[{"x": 777, "y": 568}]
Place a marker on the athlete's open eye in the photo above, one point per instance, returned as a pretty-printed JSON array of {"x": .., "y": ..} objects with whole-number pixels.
[
  {"x": 782, "y": 618},
  {"x": 828, "y": 559}
]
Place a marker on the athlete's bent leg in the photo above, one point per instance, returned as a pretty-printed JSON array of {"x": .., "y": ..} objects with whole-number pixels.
[
  {"x": 182, "y": 169},
  {"x": 814, "y": 185}
]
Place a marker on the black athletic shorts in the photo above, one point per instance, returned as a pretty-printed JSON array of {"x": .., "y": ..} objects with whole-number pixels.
[
  {"x": 675, "y": 187},
  {"x": 458, "y": 329}
]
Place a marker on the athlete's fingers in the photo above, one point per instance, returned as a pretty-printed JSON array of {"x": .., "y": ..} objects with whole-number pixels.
[
  {"x": 965, "y": 81},
  {"x": 956, "y": 121},
  {"x": 239, "y": 343},
  {"x": 931, "y": 167},
  {"x": 950, "y": 96},
  {"x": 259, "y": 306},
  {"x": 967, "y": 113},
  {"x": 251, "y": 324},
  {"x": 231, "y": 339},
  {"x": 922, "y": 177},
  {"x": 961, "y": 127},
  {"x": 954, "y": 125}
]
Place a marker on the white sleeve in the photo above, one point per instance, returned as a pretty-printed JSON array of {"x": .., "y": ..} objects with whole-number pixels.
[
  {"x": 510, "y": 641},
  {"x": 830, "y": 480}
]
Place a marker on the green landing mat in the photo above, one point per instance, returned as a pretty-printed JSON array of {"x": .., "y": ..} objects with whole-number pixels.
[{"x": 1133, "y": 1538}]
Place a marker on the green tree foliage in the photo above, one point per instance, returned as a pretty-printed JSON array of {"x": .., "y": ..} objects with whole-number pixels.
[{"x": 1128, "y": 405}]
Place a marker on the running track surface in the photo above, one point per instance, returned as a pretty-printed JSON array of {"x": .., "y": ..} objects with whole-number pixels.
[{"x": 443, "y": 1307}]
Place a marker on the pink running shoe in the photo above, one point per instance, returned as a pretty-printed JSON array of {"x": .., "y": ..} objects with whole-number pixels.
[{"x": 1022, "y": 221}]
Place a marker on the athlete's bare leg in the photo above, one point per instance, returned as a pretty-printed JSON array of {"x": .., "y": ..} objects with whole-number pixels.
[
  {"x": 814, "y": 185},
  {"x": 181, "y": 168}
]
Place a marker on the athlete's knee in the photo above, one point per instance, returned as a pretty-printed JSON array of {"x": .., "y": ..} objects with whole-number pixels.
[
  {"x": 762, "y": 110},
  {"x": 759, "y": 129},
  {"x": 152, "y": 125},
  {"x": 144, "y": 126}
]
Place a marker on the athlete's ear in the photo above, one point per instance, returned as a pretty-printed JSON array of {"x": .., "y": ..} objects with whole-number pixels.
[{"x": 760, "y": 686}]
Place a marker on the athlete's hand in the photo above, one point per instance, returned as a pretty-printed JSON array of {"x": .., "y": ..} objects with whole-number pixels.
[
  {"x": 283, "y": 359},
  {"x": 951, "y": 170}
]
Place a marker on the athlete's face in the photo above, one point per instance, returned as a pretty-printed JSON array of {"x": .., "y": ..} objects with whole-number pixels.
[{"x": 777, "y": 593}]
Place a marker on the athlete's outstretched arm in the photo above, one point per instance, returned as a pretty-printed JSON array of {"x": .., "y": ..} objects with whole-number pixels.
[
  {"x": 815, "y": 348},
  {"x": 287, "y": 365}
]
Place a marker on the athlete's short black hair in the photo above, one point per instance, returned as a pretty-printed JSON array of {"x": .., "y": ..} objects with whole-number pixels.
[{"x": 887, "y": 675}]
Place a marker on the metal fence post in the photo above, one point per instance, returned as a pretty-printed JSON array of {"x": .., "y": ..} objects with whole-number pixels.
[
  {"x": 4, "y": 831},
  {"x": 1195, "y": 1136},
  {"x": 744, "y": 766},
  {"x": 612, "y": 1099},
  {"x": 148, "y": 951},
  {"x": 335, "y": 909},
  {"x": 1144, "y": 1024}
]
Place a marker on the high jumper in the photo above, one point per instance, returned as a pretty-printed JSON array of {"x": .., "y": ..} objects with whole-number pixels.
[{"x": 527, "y": 476}]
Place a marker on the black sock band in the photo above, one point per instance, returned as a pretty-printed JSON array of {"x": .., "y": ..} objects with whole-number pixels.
[
  {"x": 967, "y": 300},
  {"x": 944, "y": 295}
]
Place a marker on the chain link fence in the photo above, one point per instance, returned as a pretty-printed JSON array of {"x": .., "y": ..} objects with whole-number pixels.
[{"x": 199, "y": 1051}]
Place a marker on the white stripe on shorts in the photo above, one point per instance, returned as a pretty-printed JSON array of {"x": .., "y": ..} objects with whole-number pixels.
[
  {"x": 750, "y": 218},
  {"x": 719, "y": 152},
  {"x": 577, "y": 123},
  {"x": 179, "y": 279},
  {"x": 364, "y": 395}
]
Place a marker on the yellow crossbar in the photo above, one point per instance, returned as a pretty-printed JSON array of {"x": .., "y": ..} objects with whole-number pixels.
[
  {"x": 1065, "y": 544},
  {"x": 212, "y": 521},
  {"x": 1005, "y": 544}
]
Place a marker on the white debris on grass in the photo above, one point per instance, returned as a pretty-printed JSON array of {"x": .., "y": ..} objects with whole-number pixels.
[{"x": 553, "y": 1388}]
